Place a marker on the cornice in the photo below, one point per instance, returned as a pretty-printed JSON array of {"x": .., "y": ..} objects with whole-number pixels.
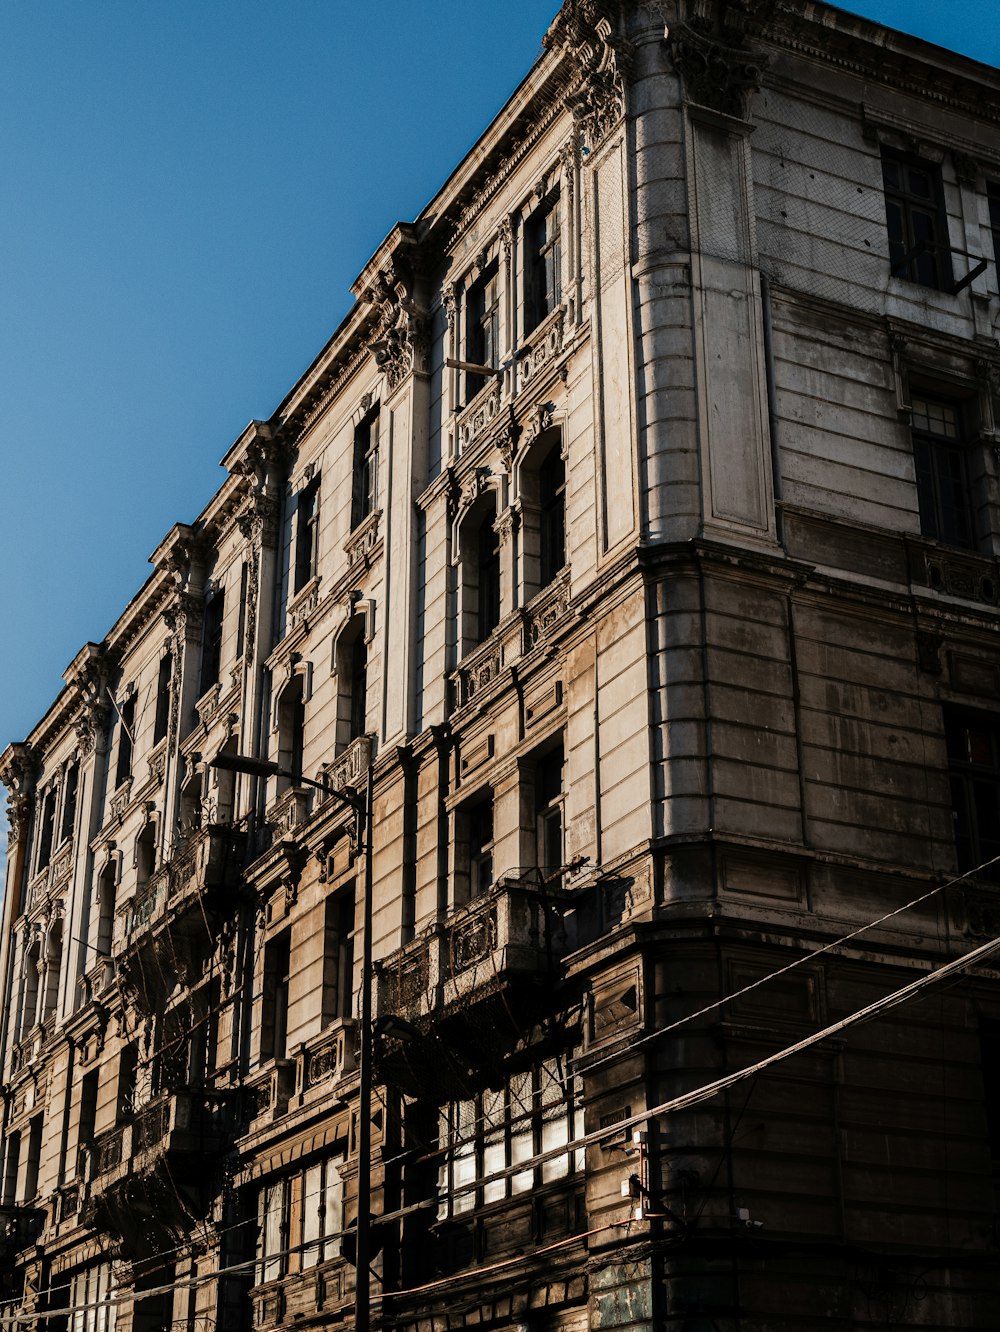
[{"x": 936, "y": 76}]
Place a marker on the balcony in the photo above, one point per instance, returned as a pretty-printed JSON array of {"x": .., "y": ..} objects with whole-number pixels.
[
  {"x": 153, "y": 1174},
  {"x": 207, "y": 864},
  {"x": 514, "y": 931}
]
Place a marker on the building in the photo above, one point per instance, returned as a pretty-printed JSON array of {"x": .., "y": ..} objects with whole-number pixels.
[{"x": 636, "y": 536}]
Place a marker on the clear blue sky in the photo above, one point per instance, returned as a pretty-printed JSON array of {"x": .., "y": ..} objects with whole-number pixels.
[{"x": 189, "y": 187}]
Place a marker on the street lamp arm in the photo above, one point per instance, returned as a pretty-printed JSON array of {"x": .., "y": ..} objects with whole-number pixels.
[{"x": 258, "y": 767}]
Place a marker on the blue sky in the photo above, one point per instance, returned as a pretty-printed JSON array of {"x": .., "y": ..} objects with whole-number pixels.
[{"x": 190, "y": 186}]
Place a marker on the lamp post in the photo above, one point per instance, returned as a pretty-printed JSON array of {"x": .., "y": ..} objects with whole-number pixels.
[{"x": 257, "y": 767}]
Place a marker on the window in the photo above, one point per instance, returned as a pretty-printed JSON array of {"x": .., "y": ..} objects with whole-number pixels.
[
  {"x": 46, "y": 829},
  {"x": 11, "y": 1164},
  {"x": 128, "y": 1065},
  {"x": 306, "y": 535},
  {"x": 338, "y": 956},
  {"x": 941, "y": 457},
  {"x": 291, "y": 731},
  {"x": 274, "y": 1005},
  {"x": 493, "y": 1131},
  {"x": 87, "y": 1123},
  {"x": 34, "y": 1158},
  {"x": 365, "y": 476},
  {"x": 359, "y": 685},
  {"x": 974, "y": 766},
  {"x": 126, "y": 735},
  {"x": 29, "y": 988},
  {"x": 163, "y": 679},
  {"x": 145, "y": 856},
  {"x": 549, "y": 813},
  {"x": 300, "y": 1219},
  {"x": 552, "y": 498},
  {"x": 90, "y": 1288},
  {"x": 71, "y": 788},
  {"x": 211, "y": 642},
  {"x": 488, "y": 579},
  {"x": 474, "y": 849},
  {"x": 53, "y": 969},
  {"x": 106, "y": 892},
  {"x": 542, "y": 263},
  {"x": 482, "y": 327},
  {"x": 916, "y": 220},
  {"x": 994, "y": 202}
]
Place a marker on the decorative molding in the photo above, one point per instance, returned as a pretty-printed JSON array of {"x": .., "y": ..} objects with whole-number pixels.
[
  {"x": 718, "y": 70},
  {"x": 588, "y": 35}
]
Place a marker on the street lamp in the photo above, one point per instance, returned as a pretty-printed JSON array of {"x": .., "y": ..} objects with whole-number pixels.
[{"x": 258, "y": 767}]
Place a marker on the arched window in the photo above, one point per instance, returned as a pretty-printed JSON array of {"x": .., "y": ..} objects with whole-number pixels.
[{"x": 191, "y": 793}]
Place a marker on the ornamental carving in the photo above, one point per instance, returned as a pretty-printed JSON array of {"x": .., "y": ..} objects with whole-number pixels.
[
  {"x": 18, "y": 774},
  {"x": 506, "y": 525},
  {"x": 718, "y": 71},
  {"x": 401, "y": 338},
  {"x": 258, "y": 520},
  {"x": 185, "y": 616},
  {"x": 588, "y": 32},
  {"x": 545, "y": 347}
]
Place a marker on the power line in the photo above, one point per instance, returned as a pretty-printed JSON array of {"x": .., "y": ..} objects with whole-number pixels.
[{"x": 688, "y": 1099}]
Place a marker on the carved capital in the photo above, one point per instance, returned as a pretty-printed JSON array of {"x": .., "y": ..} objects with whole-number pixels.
[
  {"x": 718, "y": 70},
  {"x": 589, "y": 34},
  {"x": 185, "y": 615}
]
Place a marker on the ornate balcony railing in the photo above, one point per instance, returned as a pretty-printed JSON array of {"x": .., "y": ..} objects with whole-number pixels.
[
  {"x": 207, "y": 860},
  {"x": 351, "y": 768},
  {"x": 515, "y": 929},
  {"x": 269, "y": 1091},
  {"x": 289, "y": 810},
  {"x": 545, "y": 610}
]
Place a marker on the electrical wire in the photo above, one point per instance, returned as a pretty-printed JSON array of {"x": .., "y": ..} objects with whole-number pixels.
[
  {"x": 683, "y": 1102},
  {"x": 790, "y": 966}
]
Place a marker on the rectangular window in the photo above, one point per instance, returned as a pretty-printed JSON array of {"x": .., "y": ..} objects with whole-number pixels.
[
  {"x": 33, "y": 1163},
  {"x": 70, "y": 789},
  {"x": 126, "y": 737},
  {"x": 488, "y": 579},
  {"x": 11, "y": 1165},
  {"x": 482, "y": 328},
  {"x": 475, "y": 847},
  {"x": 338, "y": 956},
  {"x": 322, "y": 1203},
  {"x": 274, "y": 1009},
  {"x": 542, "y": 263},
  {"x": 90, "y": 1297},
  {"x": 306, "y": 535},
  {"x": 87, "y": 1123},
  {"x": 552, "y": 503},
  {"x": 241, "y": 628},
  {"x": 364, "y": 493},
  {"x": 46, "y": 828},
  {"x": 163, "y": 697},
  {"x": 211, "y": 642},
  {"x": 549, "y": 814},
  {"x": 941, "y": 457},
  {"x": 916, "y": 220},
  {"x": 974, "y": 767},
  {"x": 272, "y": 1231},
  {"x": 497, "y": 1130}
]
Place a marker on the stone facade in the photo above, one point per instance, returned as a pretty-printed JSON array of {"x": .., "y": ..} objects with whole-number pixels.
[{"x": 636, "y": 537}]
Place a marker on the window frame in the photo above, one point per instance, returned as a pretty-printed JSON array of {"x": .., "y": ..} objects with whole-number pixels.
[
  {"x": 915, "y": 211},
  {"x": 953, "y": 520},
  {"x": 966, "y": 773},
  {"x": 306, "y": 536},
  {"x": 482, "y": 326},
  {"x": 542, "y": 262},
  {"x": 470, "y": 1132},
  {"x": 364, "y": 483},
  {"x": 993, "y": 204}
]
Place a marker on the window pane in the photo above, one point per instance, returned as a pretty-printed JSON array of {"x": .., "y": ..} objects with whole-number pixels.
[{"x": 313, "y": 1215}]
